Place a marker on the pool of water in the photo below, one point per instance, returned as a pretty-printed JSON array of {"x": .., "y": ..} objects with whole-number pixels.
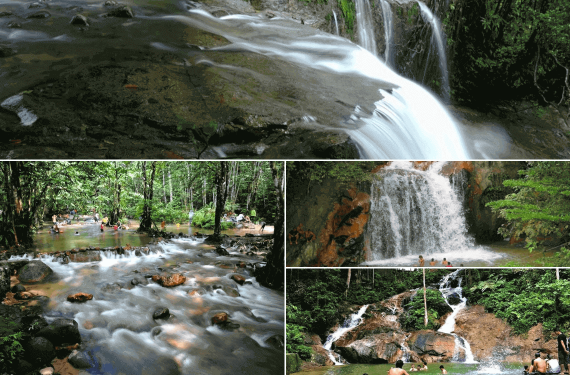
[
  {"x": 491, "y": 367},
  {"x": 89, "y": 234}
]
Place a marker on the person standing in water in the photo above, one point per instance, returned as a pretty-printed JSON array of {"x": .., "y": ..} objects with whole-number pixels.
[
  {"x": 562, "y": 349},
  {"x": 422, "y": 261},
  {"x": 398, "y": 370},
  {"x": 441, "y": 368},
  {"x": 445, "y": 262}
]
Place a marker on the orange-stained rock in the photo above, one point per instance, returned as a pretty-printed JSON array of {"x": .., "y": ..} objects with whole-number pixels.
[
  {"x": 242, "y": 264},
  {"x": 376, "y": 170},
  {"x": 238, "y": 278},
  {"x": 422, "y": 165},
  {"x": 456, "y": 167},
  {"x": 194, "y": 292},
  {"x": 347, "y": 219},
  {"x": 87, "y": 324},
  {"x": 170, "y": 281},
  {"x": 79, "y": 297},
  {"x": 220, "y": 318}
]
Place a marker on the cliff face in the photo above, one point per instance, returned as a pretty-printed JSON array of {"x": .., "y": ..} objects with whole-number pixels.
[{"x": 483, "y": 184}]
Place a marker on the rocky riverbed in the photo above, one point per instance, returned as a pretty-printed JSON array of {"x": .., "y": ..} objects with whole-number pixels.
[{"x": 162, "y": 307}]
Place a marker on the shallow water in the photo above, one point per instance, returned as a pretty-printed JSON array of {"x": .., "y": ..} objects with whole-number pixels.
[
  {"x": 121, "y": 337},
  {"x": 89, "y": 234}
]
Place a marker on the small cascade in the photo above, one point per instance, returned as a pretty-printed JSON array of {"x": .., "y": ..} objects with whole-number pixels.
[
  {"x": 405, "y": 348},
  {"x": 335, "y": 22},
  {"x": 365, "y": 26},
  {"x": 447, "y": 291},
  {"x": 437, "y": 34},
  {"x": 388, "y": 33},
  {"x": 352, "y": 322}
]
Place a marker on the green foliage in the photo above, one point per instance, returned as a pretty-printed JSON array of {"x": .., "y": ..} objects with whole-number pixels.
[
  {"x": 342, "y": 172},
  {"x": 349, "y": 12},
  {"x": 10, "y": 346},
  {"x": 321, "y": 297},
  {"x": 524, "y": 297},
  {"x": 413, "y": 13},
  {"x": 539, "y": 209},
  {"x": 499, "y": 45},
  {"x": 295, "y": 337},
  {"x": 414, "y": 318},
  {"x": 205, "y": 218}
]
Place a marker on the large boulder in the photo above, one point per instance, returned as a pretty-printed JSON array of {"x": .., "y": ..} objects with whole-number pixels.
[
  {"x": 61, "y": 331},
  {"x": 34, "y": 272},
  {"x": 294, "y": 362},
  {"x": 379, "y": 348},
  {"x": 39, "y": 351},
  {"x": 436, "y": 345}
]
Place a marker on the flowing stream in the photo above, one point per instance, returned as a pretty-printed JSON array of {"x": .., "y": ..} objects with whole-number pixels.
[
  {"x": 352, "y": 322},
  {"x": 346, "y": 88},
  {"x": 447, "y": 291},
  {"x": 117, "y": 327},
  {"x": 416, "y": 212}
]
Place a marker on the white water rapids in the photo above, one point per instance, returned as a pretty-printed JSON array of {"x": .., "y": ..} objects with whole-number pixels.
[
  {"x": 117, "y": 327},
  {"x": 416, "y": 212}
]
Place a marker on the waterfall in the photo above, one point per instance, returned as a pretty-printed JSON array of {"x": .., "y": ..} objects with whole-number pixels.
[
  {"x": 404, "y": 121},
  {"x": 449, "y": 326},
  {"x": 437, "y": 34},
  {"x": 388, "y": 32},
  {"x": 335, "y": 22},
  {"x": 365, "y": 26},
  {"x": 415, "y": 212},
  {"x": 350, "y": 323}
]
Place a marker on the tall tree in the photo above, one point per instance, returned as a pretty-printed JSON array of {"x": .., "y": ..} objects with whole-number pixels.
[
  {"x": 148, "y": 182},
  {"x": 221, "y": 195}
]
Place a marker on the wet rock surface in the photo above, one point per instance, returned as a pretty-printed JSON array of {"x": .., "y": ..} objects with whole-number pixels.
[{"x": 34, "y": 271}]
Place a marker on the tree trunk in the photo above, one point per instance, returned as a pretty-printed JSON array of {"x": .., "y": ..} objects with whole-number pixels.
[
  {"x": 221, "y": 195},
  {"x": 425, "y": 299},
  {"x": 347, "y": 284},
  {"x": 146, "y": 219}
]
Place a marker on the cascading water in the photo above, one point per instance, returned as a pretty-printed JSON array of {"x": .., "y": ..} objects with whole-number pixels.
[
  {"x": 447, "y": 291},
  {"x": 118, "y": 330},
  {"x": 388, "y": 32},
  {"x": 437, "y": 34},
  {"x": 365, "y": 26},
  {"x": 335, "y": 22},
  {"x": 352, "y": 322},
  {"x": 416, "y": 212},
  {"x": 407, "y": 122}
]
